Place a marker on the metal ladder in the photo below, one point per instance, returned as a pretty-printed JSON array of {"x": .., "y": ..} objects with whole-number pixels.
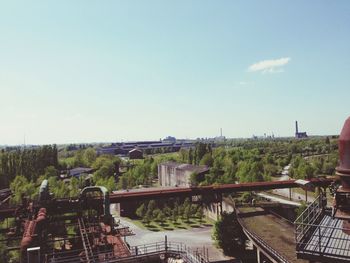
[{"x": 86, "y": 243}]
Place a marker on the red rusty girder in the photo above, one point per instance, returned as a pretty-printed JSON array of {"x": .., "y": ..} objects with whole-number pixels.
[
  {"x": 67, "y": 205},
  {"x": 212, "y": 189}
]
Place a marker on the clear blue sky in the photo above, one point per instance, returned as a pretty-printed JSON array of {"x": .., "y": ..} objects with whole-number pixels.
[{"x": 83, "y": 71}]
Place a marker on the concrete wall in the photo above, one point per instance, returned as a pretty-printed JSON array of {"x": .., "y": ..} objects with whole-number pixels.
[
  {"x": 172, "y": 176},
  {"x": 213, "y": 210}
]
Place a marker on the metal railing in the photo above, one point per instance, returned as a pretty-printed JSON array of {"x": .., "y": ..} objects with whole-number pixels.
[
  {"x": 188, "y": 254},
  {"x": 163, "y": 249},
  {"x": 318, "y": 233},
  {"x": 259, "y": 241},
  {"x": 327, "y": 239},
  {"x": 311, "y": 215},
  {"x": 274, "y": 253}
]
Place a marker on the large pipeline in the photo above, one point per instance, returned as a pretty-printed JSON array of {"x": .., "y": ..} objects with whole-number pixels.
[{"x": 33, "y": 232}]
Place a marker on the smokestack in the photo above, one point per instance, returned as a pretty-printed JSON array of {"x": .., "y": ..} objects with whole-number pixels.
[
  {"x": 296, "y": 127},
  {"x": 221, "y": 132}
]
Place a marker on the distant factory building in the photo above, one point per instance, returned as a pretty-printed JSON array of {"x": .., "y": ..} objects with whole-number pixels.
[
  {"x": 176, "y": 174},
  {"x": 170, "y": 139},
  {"x": 299, "y": 135},
  {"x": 135, "y": 154}
]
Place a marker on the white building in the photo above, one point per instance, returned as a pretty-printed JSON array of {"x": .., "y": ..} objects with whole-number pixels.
[{"x": 176, "y": 174}]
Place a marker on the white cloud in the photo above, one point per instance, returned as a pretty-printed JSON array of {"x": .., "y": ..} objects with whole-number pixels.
[{"x": 269, "y": 66}]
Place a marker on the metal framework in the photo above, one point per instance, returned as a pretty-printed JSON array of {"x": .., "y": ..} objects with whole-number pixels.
[
  {"x": 86, "y": 242},
  {"x": 319, "y": 236}
]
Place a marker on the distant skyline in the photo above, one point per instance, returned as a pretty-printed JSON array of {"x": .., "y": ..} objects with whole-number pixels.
[{"x": 92, "y": 71}]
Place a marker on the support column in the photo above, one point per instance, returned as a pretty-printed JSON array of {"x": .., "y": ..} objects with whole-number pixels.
[
  {"x": 290, "y": 194},
  {"x": 306, "y": 196},
  {"x": 257, "y": 255},
  {"x": 218, "y": 213},
  {"x": 221, "y": 204}
]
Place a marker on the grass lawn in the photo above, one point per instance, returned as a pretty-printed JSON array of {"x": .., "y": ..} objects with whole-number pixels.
[{"x": 169, "y": 225}]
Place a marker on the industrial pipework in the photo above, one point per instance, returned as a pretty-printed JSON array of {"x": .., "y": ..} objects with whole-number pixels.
[
  {"x": 342, "y": 196},
  {"x": 44, "y": 192},
  {"x": 106, "y": 201}
]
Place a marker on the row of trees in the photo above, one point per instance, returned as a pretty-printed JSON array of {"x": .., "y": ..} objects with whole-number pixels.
[
  {"x": 30, "y": 163},
  {"x": 153, "y": 211}
]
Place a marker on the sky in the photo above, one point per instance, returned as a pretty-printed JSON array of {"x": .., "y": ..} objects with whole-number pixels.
[{"x": 99, "y": 71}]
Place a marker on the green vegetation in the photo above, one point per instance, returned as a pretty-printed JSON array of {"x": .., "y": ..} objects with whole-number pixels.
[
  {"x": 229, "y": 234},
  {"x": 232, "y": 161},
  {"x": 31, "y": 163},
  {"x": 170, "y": 215},
  {"x": 310, "y": 167}
]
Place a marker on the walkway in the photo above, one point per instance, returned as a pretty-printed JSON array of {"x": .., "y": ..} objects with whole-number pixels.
[
  {"x": 194, "y": 238},
  {"x": 276, "y": 232}
]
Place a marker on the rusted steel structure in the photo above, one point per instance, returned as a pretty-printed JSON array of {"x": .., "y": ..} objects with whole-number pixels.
[
  {"x": 67, "y": 205},
  {"x": 342, "y": 195},
  {"x": 32, "y": 234}
]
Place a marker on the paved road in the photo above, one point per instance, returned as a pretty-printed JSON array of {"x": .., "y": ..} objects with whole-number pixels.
[
  {"x": 286, "y": 192},
  {"x": 277, "y": 199}
]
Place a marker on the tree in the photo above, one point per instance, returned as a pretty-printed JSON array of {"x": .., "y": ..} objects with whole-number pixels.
[
  {"x": 161, "y": 218},
  {"x": 78, "y": 159},
  {"x": 174, "y": 214},
  {"x": 89, "y": 156},
  {"x": 147, "y": 218},
  {"x": 200, "y": 214},
  {"x": 150, "y": 209},
  {"x": 229, "y": 234},
  {"x": 155, "y": 213},
  {"x": 194, "y": 179},
  {"x": 187, "y": 213},
  {"x": 190, "y": 156},
  {"x": 21, "y": 187},
  {"x": 141, "y": 210},
  {"x": 207, "y": 160}
]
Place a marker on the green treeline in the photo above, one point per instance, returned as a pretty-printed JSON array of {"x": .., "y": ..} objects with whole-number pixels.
[{"x": 30, "y": 163}]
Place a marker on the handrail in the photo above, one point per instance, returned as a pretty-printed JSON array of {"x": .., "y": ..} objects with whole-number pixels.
[
  {"x": 137, "y": 252},
  {"x": 274, "y": 253}
]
